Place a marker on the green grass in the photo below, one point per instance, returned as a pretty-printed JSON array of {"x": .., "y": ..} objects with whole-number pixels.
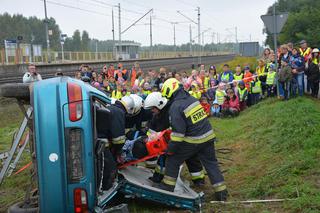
[
  {"x": 13, "y": 188},
  {"x": 242, "y": 61},
  {"x": 275, "y": 154}
]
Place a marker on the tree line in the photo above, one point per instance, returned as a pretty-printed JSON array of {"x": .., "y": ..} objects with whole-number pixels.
[
  {"x": 302, "y": 24},
  {"x": 32, "y": 29}
]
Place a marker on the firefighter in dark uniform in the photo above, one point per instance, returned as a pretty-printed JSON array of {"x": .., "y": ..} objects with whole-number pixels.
[
  {"x": 110, "y": 124},
  {"x": 192, "y": 135},
  {"x": 159, "y": 122},
  {"x": 138, "y": 120}
]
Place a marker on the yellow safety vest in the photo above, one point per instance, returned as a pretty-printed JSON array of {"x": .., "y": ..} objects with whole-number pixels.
[
  {"x": 238, "y": 77},
  {"x": 220, "y": 96},
  {"x": 315, "y": 61},
  {"x": 116, "y": 94},
  {"x": 146, "y": 92},
  {"x": 196, "y": 95},
  {"x": 260, "y": 71},
  {"x": 206, "y": 82},
  {"x": 225, "y": 77},
  {"x": 271, "y": 78},
  {"x": 305, "y": 52},
  {"x": 256, "y": 88},
  {"x": 241, "y": 93}
]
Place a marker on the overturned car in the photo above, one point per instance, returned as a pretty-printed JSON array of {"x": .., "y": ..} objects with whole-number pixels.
[{"x": 65, "y": 153}]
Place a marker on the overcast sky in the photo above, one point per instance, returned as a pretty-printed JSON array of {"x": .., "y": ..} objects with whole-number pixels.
[{"x": 221, "y": 16}]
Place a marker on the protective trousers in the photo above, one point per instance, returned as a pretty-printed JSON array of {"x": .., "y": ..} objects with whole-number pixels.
[
  {"x": 194, "y": 166},
  {"x": 181, "y": 151}
]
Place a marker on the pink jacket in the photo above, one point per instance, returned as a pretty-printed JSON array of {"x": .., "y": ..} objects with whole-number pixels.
[
  {"x": 232, "y": 103},
  {"x": 196, "y": 79}
]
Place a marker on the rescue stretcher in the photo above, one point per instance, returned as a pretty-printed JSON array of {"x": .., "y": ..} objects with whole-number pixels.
[{"x": 135, "y": 179}]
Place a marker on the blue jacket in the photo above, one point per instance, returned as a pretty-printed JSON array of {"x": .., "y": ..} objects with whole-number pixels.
[
  {"x": 297, "y": 62},
  {"x": 226, "y": 76}
]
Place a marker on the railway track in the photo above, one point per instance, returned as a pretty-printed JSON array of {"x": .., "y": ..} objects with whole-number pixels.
[{"x": 179, "y": 64}]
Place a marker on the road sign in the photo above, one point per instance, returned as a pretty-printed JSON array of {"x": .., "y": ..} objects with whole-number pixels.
[
  {"x": 10, "y": 46},
  {"x": 269, "y": 21}
]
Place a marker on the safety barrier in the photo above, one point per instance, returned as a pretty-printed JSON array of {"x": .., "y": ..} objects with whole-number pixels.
[{"x": 20, "y": 56}]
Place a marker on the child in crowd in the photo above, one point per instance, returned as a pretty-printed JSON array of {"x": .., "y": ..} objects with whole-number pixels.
[
  {"x": 242, "y": 95},
  {"x": 238, "y": 76},
  {"x": 112, "y": 83},
  {"x": 125, "y": 92},
  {"x": 261, "y": 71},
  {"x": 211, "y": 92},
  {"x": 247, "y": 77},
  {"x": 271, "y": 81},
  {"x": 255, "y": 90},
  {"x": 100, "y": 80},
  {"x": 94, "y": 77},
  {"x": 206, "y": 106},
  {"x": 284, "y": 78},
  {"x": 146, "y": 89},
  {"x": 117, "y": 94},
  {"x": 219, "y": 99},
  {"x": 213, "y": 72},
  {"x": 230, "y": 106},
  {"x": 227, "y": 75},
  {"x": 106, "y": 87},
  {"x": 206, "y": 81},
  {"x": 195, "y": 91},
  {"x": 78, "y": 75}
]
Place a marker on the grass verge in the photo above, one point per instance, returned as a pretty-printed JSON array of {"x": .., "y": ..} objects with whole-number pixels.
[{"x": 275, "y": 154}]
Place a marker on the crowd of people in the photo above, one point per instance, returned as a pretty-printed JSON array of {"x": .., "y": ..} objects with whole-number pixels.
[{"x": 221, "y": 93}]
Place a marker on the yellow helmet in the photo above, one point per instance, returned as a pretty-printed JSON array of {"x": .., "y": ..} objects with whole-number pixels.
[{"x": 169, "y": 87}]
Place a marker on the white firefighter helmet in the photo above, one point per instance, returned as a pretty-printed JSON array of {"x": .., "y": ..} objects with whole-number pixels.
[
  {"x": 155, "y": 99},
  {"x": 138, "y": 103},
  {"x": 128, "y": 104},
  {"x": 315, "y": 50},
  {"x": 27, "y": 78}
]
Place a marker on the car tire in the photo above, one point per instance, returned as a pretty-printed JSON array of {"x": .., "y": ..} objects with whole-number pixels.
[{"x": 15, "y": 90}]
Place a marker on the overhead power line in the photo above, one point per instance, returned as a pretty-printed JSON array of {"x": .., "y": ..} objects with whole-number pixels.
[{"x": 76, "y": 8}]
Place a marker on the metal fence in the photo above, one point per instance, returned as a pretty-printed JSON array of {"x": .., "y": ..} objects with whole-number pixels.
[{"x": 69, "y": 57}]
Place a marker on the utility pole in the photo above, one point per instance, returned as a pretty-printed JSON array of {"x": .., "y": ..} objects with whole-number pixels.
[
  {"x": 212, "y": 42},
  {"x": 174, "y": 38},
  {"x": 151, "y": 51},
  {"x": 218, "y": 42},
  {"x": 47, "y": 31},
  {"x": 62, "y": 52},
  {"x": 275, "y": 42},
  {"x": 96, "y": 49},
  {"x": 198, "y": 23},
  {"x": 113, "y": 38},
  {"x": 199, "y": 59},
  {"x": 202, "y": 46},
  {"x": 236, "y": 35},
  {"x": 120, "y": 47},
  {"x": 133, "y": 24},
  {"x": 31, "y": 51},
  {"x": 190, "y": 31}
]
